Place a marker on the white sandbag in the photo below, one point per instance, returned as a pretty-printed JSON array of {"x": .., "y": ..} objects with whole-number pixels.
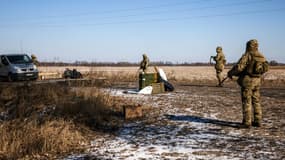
[{"x": 146, "y": 90}]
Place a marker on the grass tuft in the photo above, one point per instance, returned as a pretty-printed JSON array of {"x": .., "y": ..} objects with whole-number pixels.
[{"x": 50, "y": 121}]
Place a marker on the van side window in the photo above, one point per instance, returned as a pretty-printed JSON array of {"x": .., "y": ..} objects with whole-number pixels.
[
  {"x": 27, "y": 59},
  {"x": 4, "y": 61}
]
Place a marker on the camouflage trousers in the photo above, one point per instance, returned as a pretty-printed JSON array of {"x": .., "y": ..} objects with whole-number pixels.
[
  {"x": 252, "y": 111},
  {"x": 219, "y": 76}
]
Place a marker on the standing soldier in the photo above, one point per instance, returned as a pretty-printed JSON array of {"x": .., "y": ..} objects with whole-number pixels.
[
  {"x": 35, "y": 60},
  {"x": 220, "y": 64},
  {"x": 144, "y": 63},
  {"x": 249, "y": 69}
]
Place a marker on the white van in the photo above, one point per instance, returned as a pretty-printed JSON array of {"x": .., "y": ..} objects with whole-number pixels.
[{"x": 15, "y": 67}]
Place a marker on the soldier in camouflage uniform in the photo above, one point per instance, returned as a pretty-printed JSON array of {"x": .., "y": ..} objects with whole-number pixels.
[
  {"x": 35, "y": 60},
  {"x": 220, "y": 64},
  {"x": 249, "y": 69},
  {"x": 144, "y": 63}
]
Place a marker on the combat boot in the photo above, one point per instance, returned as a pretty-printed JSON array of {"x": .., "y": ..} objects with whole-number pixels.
[
  {"x": 219, "y": 85},
  {"x": 245, "y": 124},
  {"x": 256, "y": 124}
]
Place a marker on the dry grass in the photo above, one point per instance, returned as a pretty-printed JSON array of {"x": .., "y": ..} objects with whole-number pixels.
[
  {"x": 92, "y": 108},
  {"x": 114, "y": 77},
  {"x": 188, "y": 74},
  {"x": 20, "y": 139},
  {"x": 178, "y": 73},
  {"x": 48, "y": 120}
]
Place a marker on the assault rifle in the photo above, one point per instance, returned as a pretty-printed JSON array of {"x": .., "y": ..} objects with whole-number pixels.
[{"x": 212, "y": 57}]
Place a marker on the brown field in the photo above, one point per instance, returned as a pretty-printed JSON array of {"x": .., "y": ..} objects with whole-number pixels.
[
  {"x": 196, "y": 121},
  {"x": 199, "y": 74}
]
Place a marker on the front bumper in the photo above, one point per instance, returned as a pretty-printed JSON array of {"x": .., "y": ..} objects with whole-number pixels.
[{"x": 25, "y": 76}]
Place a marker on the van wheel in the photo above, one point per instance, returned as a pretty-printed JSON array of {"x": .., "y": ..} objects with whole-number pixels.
[{"x": 9, "y": 78}]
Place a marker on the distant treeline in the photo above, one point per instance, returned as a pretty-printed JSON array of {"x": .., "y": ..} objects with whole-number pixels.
[{"x": 126, "y": 64}]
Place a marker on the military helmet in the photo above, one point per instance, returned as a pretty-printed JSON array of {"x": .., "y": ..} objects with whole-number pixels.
[
  {"x": 253, "y": 42},
  {"x": 144, "y": 55},
  {"x": 219, "y": 48},
  {"x": 33, "y": 56},
  {"x": 252, "y": 45}
]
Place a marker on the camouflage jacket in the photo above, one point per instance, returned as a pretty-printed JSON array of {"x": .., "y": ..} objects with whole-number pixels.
[
  {"x": 244, "y": 64},
  {"x": 220, "y": 61},
  {"x": 220, "y": 58},
  {"x": 144, "y": 64},
  {"x": 35, "y": 61}
]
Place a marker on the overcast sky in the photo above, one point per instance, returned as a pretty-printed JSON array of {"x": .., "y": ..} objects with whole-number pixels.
[{"x": 122, "y": 30}]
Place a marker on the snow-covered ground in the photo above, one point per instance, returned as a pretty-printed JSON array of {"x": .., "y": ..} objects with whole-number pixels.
[{"x": 193, "y": 123}]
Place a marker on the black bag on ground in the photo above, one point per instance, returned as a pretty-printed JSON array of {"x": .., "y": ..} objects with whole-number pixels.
[{"x": 168, "y": 86}]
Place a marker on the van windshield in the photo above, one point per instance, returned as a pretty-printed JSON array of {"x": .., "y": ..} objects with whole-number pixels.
[{"x": 19, "y": 59}]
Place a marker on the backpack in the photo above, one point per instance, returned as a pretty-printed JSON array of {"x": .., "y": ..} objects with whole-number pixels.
[{"x": 257, "y": 65}]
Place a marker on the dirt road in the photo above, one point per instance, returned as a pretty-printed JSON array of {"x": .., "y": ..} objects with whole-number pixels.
[{"x": 197, "y": 122}]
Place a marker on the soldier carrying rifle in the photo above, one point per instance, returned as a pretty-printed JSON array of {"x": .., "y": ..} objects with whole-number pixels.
[
  {"x": 220, "y": 64},
  {"x": 249, "y": 70}
]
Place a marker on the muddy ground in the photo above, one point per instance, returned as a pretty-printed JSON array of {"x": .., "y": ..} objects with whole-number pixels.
[{"x": 195, "y": 122}]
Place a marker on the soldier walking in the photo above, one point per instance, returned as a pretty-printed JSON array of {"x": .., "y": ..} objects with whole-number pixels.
[
  {"x": 220, "y": 65},
  {"x": 249, "y": 69}
]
